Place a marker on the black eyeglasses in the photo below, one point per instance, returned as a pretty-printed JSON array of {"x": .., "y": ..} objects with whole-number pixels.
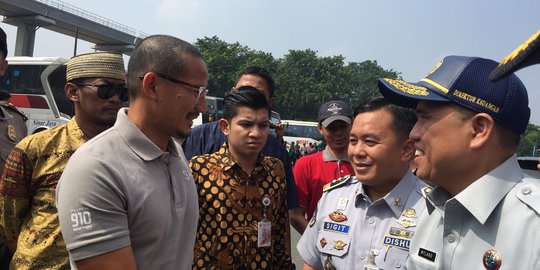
[
  {"x": 106, "y": 91},
  {"x": 200, "y": 92}
]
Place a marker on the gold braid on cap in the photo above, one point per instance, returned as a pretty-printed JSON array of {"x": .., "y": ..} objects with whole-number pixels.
[
  {"x": 96, "y": 65},
  {"x": 407, "y": 87}
]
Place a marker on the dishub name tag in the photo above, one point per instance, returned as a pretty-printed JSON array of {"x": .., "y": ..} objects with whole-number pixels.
[{"x": 264, "y": 233}]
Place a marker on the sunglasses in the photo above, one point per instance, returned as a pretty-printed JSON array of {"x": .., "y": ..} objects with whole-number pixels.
[{"x": 106, "y": 91}]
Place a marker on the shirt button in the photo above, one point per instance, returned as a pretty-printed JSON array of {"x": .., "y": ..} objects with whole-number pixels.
[
  {"x": 398, "y": 265},
  {"x": 370, "y": 220},
  {"x": 526, "y": 190},
  {"x": 362, "y": 257},
  {"x": 451, "y": 238}
]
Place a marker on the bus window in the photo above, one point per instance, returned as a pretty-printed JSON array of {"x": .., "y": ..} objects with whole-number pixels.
[
  {"x": 24, "y": 79},
  {"x": 36, "y": 85}
]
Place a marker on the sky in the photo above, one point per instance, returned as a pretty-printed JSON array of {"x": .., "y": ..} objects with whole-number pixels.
[{"x": 410, "y": 37}]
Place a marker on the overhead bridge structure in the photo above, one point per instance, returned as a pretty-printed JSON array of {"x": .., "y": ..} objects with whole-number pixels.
[{"x": 30, "y": 15}]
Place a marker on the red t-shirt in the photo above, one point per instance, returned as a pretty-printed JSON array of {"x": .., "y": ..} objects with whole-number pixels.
[{"x": 312, "y": 172}]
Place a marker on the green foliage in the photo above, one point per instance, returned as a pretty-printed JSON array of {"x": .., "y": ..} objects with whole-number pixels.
[
  {"x": 304, "y": 79},
  {"x": 530, "y": 141},
  {"x": 224, "y": 61}
]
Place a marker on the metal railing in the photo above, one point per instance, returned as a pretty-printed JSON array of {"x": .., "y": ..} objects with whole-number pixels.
[{"x": 93, "y": 17}]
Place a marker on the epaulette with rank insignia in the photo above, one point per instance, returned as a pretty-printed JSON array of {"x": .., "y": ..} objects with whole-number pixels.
[
  {"x": 336, "y": 183},
  {"x": 13, "y": 107}
]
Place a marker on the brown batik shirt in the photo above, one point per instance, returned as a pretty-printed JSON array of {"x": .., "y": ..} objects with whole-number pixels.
[{"x": 231, "y": 206}]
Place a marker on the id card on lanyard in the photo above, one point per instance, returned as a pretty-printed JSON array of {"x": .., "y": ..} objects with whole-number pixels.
[{"x": 264, "y": 227}]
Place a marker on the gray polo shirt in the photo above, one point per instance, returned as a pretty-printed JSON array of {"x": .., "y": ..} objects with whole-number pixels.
[
  {"x": 383, "y": 227},
  {"x": 119, "y": 189},
  {"x": 492, "y": 223}
]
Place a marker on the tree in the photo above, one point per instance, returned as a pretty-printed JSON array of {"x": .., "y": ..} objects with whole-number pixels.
[
  {"x": 304, "y": 79},
  {"x": 530, "y": 141},
  {"x": 225, "y": 60}
]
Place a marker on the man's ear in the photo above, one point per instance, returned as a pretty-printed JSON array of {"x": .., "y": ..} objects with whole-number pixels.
[
  {"x": 407, "y": 151},
  {"x": 224, "y": 125},
  {"x": 149, "y": 85},
  {"x": 483, "y": 127},
  {"x": 72, "y": 92},
  {"x": 319, "y": 127}
]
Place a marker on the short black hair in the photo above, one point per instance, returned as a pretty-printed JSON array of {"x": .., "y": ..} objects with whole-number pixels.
[
  {"x": 245, "y": 96},
  {"x": 261, "y": 72},
  {"x": 404, "y": 118},
  {"x": 161, "y": 54}
]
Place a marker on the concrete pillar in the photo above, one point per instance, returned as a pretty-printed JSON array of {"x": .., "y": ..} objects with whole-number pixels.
[{"x": 24, "y": 42}]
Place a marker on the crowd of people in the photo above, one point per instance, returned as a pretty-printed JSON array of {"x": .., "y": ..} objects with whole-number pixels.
[
  {"x": 299, "y": 149},
  {"x": 423, "y": 177}
]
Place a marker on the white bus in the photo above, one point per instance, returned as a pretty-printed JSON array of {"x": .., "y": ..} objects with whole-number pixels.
[
  {"x": 36, "y": 85},
  {"x": 301, "y": 132}
]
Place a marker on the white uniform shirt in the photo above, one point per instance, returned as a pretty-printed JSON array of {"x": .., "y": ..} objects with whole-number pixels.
[
  {"x": 493, "y": 221},
  {"x": 384, "y": 227}
]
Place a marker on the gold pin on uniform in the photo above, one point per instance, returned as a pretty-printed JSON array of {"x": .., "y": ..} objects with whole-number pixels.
[
  {"x": 323, "y": 242},
  {"x": 397, "y": 202},
  {"x": 11, "y": 133},
  {"x": 410, "y": 213},
  {"x": 339, "y": 245},
  {"x": 337, "y": 216}
]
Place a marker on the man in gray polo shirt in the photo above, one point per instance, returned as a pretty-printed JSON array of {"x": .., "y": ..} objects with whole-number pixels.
[{"x": 127, "y": 199}]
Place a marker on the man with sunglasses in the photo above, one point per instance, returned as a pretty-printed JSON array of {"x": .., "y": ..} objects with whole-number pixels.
[
  {"x": 28, "y": 218},
  {"x": 127, "y": 199}
]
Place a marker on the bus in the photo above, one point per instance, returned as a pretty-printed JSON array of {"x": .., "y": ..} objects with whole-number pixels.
[
  {"x": 214, "y": 111},
  {"x": 36, "y": 85},
  {"x": 301, "y": 132}
]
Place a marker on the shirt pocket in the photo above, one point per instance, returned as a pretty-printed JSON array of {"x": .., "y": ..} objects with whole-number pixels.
[{"x": 392, "y": 258}]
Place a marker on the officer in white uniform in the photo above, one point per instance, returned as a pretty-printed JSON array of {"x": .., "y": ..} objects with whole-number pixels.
[
  {"x": 367, "y": 221},
  {"x": 484, "y": 213}
]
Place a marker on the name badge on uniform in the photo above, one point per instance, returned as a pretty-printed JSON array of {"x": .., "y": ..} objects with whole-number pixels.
[
  {"x": 334, "y": 227},
  {"x": 264, "y": 233},
  {"x": 400, "y": 243}
]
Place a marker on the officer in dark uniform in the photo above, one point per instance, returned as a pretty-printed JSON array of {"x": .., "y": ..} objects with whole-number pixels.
[{"x": 12, "y": 130}]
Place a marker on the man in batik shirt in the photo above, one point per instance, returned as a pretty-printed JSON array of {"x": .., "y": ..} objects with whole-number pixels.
[
  {"x": 28, "y": 217},
  {"x": 242, "y": 194}
]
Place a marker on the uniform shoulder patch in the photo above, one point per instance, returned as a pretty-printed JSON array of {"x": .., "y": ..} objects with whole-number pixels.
[
  {"x": 336, "y": 183},
  {"x": 528, "y": 192},
  {"x": 13, "y": 108}
]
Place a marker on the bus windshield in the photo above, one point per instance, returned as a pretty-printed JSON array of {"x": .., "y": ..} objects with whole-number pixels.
[
  {"x": 25, "y": 78},
  {"x": 36, "y": 85},
  {"x": 301, "y": 132}
]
